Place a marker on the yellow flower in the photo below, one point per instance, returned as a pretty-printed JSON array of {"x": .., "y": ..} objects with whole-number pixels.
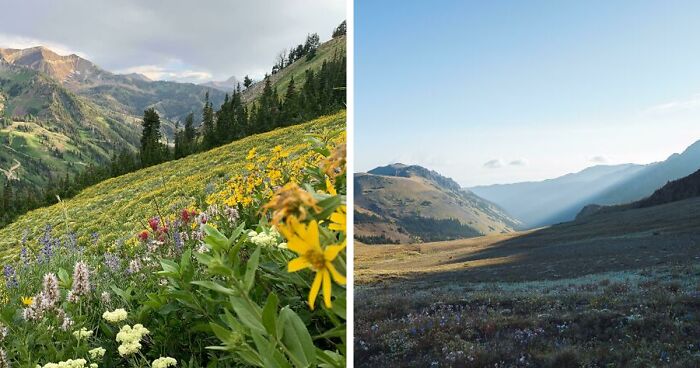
[
  {"x": 330, "y": 187},
  {"x": 338, "y": 219},
  {"x": 251, "y": 154},
  {"x": 27, "y": 300},
  {"x": 304, "y": 241}
]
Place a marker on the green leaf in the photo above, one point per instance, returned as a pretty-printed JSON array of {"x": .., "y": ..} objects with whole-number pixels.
[
  {"x": 124, "y": 294},
  {"x": 297, "y": 339},
  {"x": 214, "y": 238},
  {"x": 270, "y": 356},
  {"x": 229, "y": 338},
  {"x": 328, "y": 206},
  {"x": 236, "y": 233},
  {"x": 269, "y": 314},
  {"x": 64, "y": 278},
  {"x": 248, "y": 314},
  {"x": 215, "y": 286},
  {"x": 340, "y": 304},
  {"x": 251, "y": 268}
]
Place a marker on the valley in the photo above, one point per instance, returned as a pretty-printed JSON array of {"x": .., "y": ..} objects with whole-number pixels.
[{"x": 618, "y": 285}]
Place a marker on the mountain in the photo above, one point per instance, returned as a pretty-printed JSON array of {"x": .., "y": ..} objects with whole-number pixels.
[
  {"x": 561, "y": 199},
  {"x": 555, "y": 200},
  {"x": 60, "y": 113},
  {"x": 674, "y": 191},
  {"x": 128, "y": 94},
  {"x": 225, "y": 86},
  {"x": 50, "y": 131},
  {"x": 400, "y": 203}
]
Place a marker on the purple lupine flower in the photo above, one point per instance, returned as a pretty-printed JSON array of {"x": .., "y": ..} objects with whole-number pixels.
[
  {"x": 95, "y": 238},
  {"x": 10, "y": 277},
  {"x": 112, "y": 262},
  {"x": 47, "y": 243},
  {"x": 24, "y": 256},
  {"x": 179, "y": 243},
  {"x": 72, "y": 241}
]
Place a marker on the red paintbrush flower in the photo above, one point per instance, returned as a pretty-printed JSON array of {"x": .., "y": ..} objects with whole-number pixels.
[
  {"x": 153, "y": 223},
  {"x": 143, "y": 236}
]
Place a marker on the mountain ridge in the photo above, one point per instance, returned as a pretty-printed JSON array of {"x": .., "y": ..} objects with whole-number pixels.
[
  {"x": 409, "y": 203},
  {"x": 561, "y": 199}
]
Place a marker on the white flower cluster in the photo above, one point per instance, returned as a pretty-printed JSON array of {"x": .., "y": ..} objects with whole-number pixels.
[
  {"x": 115, "y": 316},
  {"x": 83, "y": 333},
  {"x": 266, "y": 238},
  {"x": 70, "y": 363},
  {"x": 164, "y": 362},
  {"x": 130, "y": 337},
  {"x": 97, "y": 353}
]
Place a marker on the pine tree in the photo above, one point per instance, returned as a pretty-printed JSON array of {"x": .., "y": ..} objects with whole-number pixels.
[
  {"x": 152, "y": 151},
  {"x": 208, "y": 128},
  {"x": 341, "y": 30},
  {"x": 247, "y": 82},
  {"x": 290, "y": 107},
  {"x": 190, "y": 134}
]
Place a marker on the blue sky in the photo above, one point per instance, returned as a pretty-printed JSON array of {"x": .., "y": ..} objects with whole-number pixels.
[{"x": 506, "y": 91}]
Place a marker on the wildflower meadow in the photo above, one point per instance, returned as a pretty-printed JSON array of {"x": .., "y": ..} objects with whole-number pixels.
[{"x": 246, "y": 269}]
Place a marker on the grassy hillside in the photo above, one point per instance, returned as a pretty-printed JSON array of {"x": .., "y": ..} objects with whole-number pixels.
[
  {"x": 52, "y": 131},
  {"x": 327, "y": 51},
  {"x": 116, "y": 208},
  {"x": 409, "y": 203}
]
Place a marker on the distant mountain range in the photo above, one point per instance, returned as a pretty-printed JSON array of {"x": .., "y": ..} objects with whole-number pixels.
[
  {"x": 674, "y": 191},
  {"x": 127, "y": 94},
  {"x": 561, "y": 199},
  {"x": 225, "y": 86},
  {"x": 400, "y": 203},
  {"x": 59, "y": 113}
]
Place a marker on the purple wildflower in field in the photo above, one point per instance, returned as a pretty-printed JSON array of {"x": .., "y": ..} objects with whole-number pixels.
[
  {"x": 231, "y": 214},
  {"x": 24, "y": 256},
  {"x": 72, "y": 243},
  {"x": 112, "y": 262},
  {"x": 179, "y": 243},
  {"x": 95, "y": 238},
  {"x": 10, "y": 277}
]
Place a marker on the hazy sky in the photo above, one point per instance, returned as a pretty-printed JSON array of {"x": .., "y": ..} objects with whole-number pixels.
[
  {"x": 180, "y": 40},
  {"x": 506, "y": 91}
]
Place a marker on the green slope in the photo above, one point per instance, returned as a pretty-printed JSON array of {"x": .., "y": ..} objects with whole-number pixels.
[
  {"x": 327, "y": 51},
  {"x": 50, "y": 130},
  {"x": 117, "y": 207}
]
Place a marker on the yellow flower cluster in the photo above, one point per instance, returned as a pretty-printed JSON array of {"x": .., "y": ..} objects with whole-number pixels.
[
  {"x": 290, "y": 206},
  {"x": 264, "y": 174}
]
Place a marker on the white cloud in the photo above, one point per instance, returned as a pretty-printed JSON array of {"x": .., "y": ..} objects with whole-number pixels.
[
  {"x": 158, "y": 72},
  {"x": 518, "y": 162},
  {"x": 493, "y": 164},
  {"x": 599, "y": 159},
  {"x": 690, "y": 103},
  {"x": 9, "y": 41}
]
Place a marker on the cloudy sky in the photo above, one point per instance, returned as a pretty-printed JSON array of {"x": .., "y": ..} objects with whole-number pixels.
[
  {"x": 507, "y": 91},
  {"x": 193, "y": 41}
]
